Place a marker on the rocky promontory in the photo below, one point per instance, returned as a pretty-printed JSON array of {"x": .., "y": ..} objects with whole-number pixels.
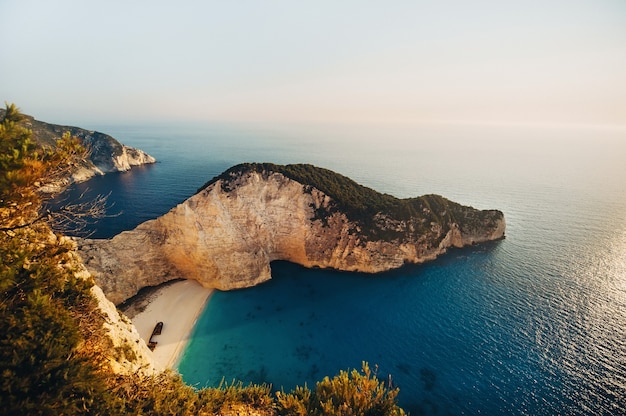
[
  {"x": 105, "y": 154},
  {"x": 227, "y": 234}
]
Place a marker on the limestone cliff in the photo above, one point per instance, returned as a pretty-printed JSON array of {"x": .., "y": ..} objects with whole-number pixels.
[
  {"x": 114, "y": 336},
  {"x": 127, "y": 351},
  {"x": 227, "y": 234},
  {"x": 106, "y": 154}
]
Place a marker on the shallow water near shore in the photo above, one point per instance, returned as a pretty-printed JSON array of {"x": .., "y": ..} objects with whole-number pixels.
[{"x": 532, "y": 324}]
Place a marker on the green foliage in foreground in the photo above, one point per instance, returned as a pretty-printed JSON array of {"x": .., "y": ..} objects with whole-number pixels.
[
  {"x": 167, "y": 394},
  {"x": 40, "y": 307},
  {"x": 52, "y": 341},
  {"x": 43, "y": 304},
  {"x": 347, "y": 394}
]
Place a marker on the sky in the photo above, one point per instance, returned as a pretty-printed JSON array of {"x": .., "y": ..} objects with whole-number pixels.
[{"x": 528, "y": 62}]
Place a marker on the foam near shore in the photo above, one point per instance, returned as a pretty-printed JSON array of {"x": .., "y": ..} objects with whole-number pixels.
[{"x": 178, "y": 306}]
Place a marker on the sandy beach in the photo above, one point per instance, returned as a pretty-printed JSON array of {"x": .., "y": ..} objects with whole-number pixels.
[{"x": 178, "y": 306}]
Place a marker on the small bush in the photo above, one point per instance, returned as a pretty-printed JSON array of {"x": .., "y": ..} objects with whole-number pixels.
[
  {"x": 347, "y": 394},
  {"x": 167, "y": 394},
  {"x": 296, "y": 403}
]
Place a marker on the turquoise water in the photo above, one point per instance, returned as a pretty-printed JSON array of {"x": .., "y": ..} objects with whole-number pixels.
[{"x": 532, "y": 324}]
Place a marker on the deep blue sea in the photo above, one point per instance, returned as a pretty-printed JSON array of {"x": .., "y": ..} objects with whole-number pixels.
[{"x": 534, "y": 324}]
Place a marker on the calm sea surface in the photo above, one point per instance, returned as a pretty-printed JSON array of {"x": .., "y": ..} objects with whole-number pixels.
[{"x": 531, "y": 325}]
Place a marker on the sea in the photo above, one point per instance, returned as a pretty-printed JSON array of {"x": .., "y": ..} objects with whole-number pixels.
[{"x": 534, "y": 324}]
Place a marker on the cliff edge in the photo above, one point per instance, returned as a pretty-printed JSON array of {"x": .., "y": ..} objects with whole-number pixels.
[{"x": 227, "y": 234}]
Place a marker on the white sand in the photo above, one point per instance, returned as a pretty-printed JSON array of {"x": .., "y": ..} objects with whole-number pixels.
[{"x": 178, "y": 306}]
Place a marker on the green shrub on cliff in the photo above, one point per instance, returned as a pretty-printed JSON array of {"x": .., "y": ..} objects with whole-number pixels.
[
  {"x": 41, "y": 300},
  {"x": 42, "y": 372},
  {"x": 167, "y": 394},
  {"x": 351, "y": 393},
  {"x": 347, "y": 394}
]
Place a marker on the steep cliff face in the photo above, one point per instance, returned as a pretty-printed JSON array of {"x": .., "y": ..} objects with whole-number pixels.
[
  {"x": 226, "y": 235},
  {"x": 127, "y": 351},
  {"x": 117, "y": 339},
  {"x": 106, "y": 154}
]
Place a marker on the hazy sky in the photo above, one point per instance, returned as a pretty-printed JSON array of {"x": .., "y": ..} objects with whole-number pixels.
[{"x": 559, "y": 61}]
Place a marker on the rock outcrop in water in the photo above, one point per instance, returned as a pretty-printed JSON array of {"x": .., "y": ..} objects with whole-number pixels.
[
  {"x": 227, "y": 234},
  {"x": 106, "y": 154}
]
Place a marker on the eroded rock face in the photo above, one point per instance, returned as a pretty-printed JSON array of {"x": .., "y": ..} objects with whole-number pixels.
[
  {"x": 128, "y": 353},
  {"x": 124, "y": 349},
  {"x": 109, "y": 157},
  {"x": 226, "y": 236}
]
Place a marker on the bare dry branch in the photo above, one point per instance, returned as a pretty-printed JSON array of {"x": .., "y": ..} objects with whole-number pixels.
[{"x": 74, "y": 218}]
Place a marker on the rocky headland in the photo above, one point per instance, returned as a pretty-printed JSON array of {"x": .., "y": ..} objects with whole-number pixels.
[
  {"x": 227, "y": 234},
  {"x": 105, "y": 153}
]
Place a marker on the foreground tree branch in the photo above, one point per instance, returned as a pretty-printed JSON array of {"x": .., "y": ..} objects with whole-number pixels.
[{"x": 26, "y": 170}]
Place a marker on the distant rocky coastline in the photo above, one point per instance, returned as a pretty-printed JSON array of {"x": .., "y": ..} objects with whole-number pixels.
[
  {"x": 106, "y": 154},
  {"x": 227, "y": 234}
]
